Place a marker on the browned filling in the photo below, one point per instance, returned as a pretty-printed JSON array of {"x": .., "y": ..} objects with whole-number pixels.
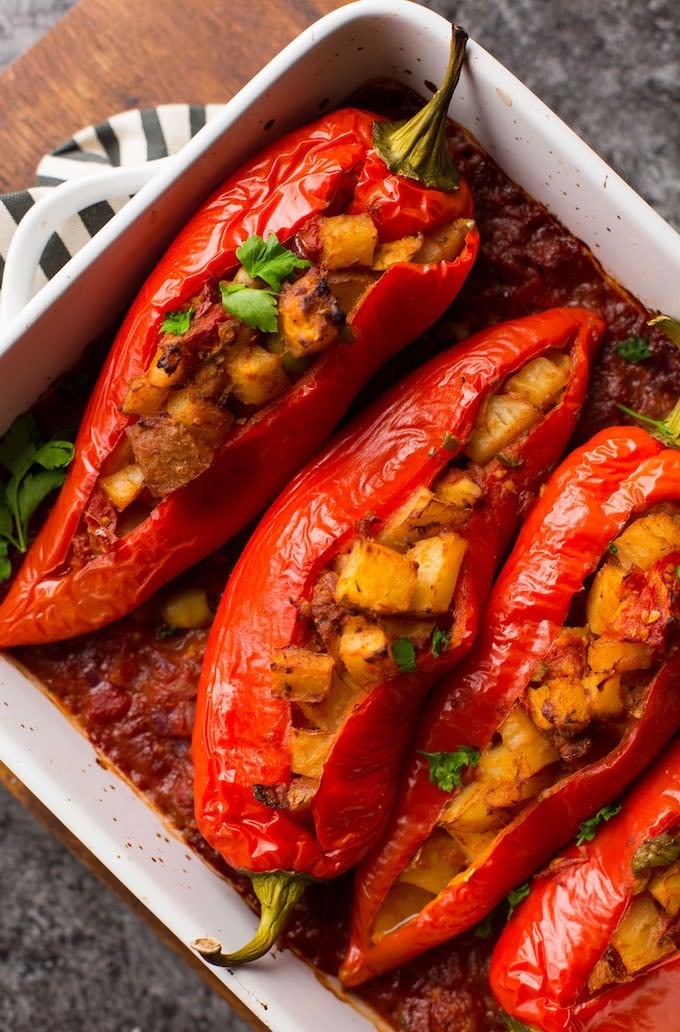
[
  {"x": 212, "y": 375},
  {"x": 581, "y": 700},
  {"x": 385, "y": 604}
]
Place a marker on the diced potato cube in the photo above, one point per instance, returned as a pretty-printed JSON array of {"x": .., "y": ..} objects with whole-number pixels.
[
  {"x": 401, "y": 902},
  {"x": 636, "y": 939},
  {"x": 300, "y": 793},
  {"x": 439, "y": 562},
  {"x": 468, "y": 810},
  {"x": 348, "y": 286},
  {"x": 519, "y": 734},
  {"x": 473, "y": 843},
  {"x": 200, "y": 415},
  {"x": 421, "y": 515},
  {"x": 559, "y": 703},
  {"x": 618, "y": 656},
  {"x": 402, "y": 250},
  {"x": 299, "y": 674},
  {"x": 664, "y": 886},
  {"x": 364, "y": 650},
  {"x": 329, "y": 713},
  {"x": 347, "y": 240},
  {"x": 540, "y": 380},
  {"x": 309, "y": 750},
  {"x": 143, "y": 398},
  {"x": 502, "y": 418},
  {"x": 647, "y": 539},
  {"x": 187, "y": 608},
  {"x": 256, "y": 375},
  {"x": 461, "y": 491},
  {"x": 123, "y": 486},
  {"x": 438, "y": 860},
  {"x": 417, "y": 631},
  {"x": 604, "y": 597},
  {"x": 376, "y": 578},
  {"x": 310, "y": 318},
  {"x": 167, "y": 368},
  {"x": 445, "y": 243},
  {"x": 605, "y": 697}
]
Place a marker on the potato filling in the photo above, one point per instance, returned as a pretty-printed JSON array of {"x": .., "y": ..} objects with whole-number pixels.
[
  {"x": 580, "y": 702},
  {"x": 649, "y": 928},
  {"x": 385, "y": 604},
  {"x": 217, "y": 365}
]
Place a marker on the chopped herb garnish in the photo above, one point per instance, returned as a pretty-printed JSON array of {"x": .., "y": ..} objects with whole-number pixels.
[
  {"x": 266, "y": 260},
  {"x": 404, "y": 654},
  {"x": 440, "y": 642},
  {"x": 446, "y": 768},
  {"x": 484, "y": 928},
  {"x": 178, "y": 322},
  {"x": 35, "y": 469},
  {"x": 269, "y": 260},
  {"x": 611, "y": 547},
  {"x": 252, "y": 306},
  {"x": 587, "y": 829},
  {"x": 635, "y": 349},
  {"x": 516, "y": 896}
]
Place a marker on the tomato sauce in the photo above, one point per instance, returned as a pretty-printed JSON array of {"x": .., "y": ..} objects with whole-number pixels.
[{"x": 131, "y": 686}]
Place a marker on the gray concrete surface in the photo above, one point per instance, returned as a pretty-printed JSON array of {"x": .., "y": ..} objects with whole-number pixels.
[{"x": 72, "y": 958}]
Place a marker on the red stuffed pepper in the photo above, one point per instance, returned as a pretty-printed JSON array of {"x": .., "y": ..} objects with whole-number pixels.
[
  {"x": 595, "y": 944},
  {"x": 568, "y": 694},
  {"x": 307, "y": 269},
  {"x": 363, "y": 583}
]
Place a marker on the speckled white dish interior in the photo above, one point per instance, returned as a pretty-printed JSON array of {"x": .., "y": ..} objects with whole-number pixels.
[{"x": 356, "y": 43}]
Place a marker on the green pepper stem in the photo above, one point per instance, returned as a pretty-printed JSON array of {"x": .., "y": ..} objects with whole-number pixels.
[
  {"x": 416, "y": 149},
  {"x": 278, "y": 892}
]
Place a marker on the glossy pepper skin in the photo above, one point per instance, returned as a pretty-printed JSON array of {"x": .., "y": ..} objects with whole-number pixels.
[
  {"x": 315, "y": 169},
  {"x": 542, "y": 961},
  {"x": 403, "y": 440},
  {"x": 585, "y": 503}
]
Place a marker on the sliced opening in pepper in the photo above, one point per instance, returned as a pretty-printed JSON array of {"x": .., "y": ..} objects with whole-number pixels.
[
  {"x": 213, "y": 371},
  {"x": 384, "y": 604},
  {"x": 583, "y": 698},
  {"x": 649, "y": 928}
]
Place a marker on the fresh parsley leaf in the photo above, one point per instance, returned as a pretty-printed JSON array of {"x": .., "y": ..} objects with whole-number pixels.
[
  {"x": 404, "y": 654},
  {"x": 446, "y": 768},
  {"x": 587, "y": 829},
  {"x": 635, "y": 349},
  {"x": 515, "y": 897},
  {"x": 178, "y": 322},
  {"x": 269, "y": 260},
  {"x": 440, "y": 642},
  {"x": 484, "y": 928},
  {"x": 254, "y": 307},
  {"x": 35, "y": 470}
]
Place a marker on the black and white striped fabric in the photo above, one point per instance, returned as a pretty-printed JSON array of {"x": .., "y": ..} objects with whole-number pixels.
[{"x": 128, "y": 138}]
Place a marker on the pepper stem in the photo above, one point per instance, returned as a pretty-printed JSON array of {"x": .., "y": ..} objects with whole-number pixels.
[
  {"x": 416, "y": 149},
  {"x": 278, "y": 892}
]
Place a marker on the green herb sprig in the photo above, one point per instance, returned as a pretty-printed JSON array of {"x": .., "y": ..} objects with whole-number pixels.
[
  {"x": 588, "y": 829},
  {"x": 34, "y": 470},
  {"x": 268, "y": 261},
  {"x": 446, "y": 768}
]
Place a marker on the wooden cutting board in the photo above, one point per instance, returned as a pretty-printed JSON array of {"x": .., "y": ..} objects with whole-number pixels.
[{"x": 106, "y": 56}]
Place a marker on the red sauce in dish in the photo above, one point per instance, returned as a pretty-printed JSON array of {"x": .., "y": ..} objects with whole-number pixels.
[{"x": 131, "y": 686}]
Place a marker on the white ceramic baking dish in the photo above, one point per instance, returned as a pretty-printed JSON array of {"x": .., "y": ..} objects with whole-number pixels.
[{"x": 356, "y": 43}]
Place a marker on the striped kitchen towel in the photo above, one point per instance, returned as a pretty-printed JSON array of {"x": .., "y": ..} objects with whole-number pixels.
[{"x": 128, "y": 138}]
